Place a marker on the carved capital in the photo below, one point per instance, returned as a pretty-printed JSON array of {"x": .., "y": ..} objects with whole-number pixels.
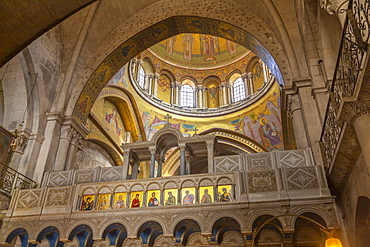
[
  {"x": 359, "y": 108},
  {"x": 332, "y": 6}
]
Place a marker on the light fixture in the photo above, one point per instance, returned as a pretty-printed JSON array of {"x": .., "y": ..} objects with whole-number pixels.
[{"x": 333, "y": 242}]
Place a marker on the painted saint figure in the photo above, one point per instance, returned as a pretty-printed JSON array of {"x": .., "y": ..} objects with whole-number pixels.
[
  {"x": 88, "y": 204},
  {"x": 103, "y": 204},
  {"x": 269, "y": 131},
  {"x": 153, "y": 201},
  {"x": 206, "y": 198},
  {"x": 135, "y": 202},
  {"x": 120, "y": 203},
  {"x": 225, "y": 196},
  {"x": 112, "y": 120},
  {"x": 188, "y": 198},
  {"x": 171, "y": 200}
]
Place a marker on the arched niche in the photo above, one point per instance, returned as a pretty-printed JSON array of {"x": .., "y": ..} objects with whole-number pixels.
[{"x": 212, "y": 85}]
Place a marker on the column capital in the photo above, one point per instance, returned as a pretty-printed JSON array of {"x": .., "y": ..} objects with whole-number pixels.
[
  {"x": 182, "y": 146},
  {"x": 152, "y": 150},
  {"x": 359, "y": 108}
]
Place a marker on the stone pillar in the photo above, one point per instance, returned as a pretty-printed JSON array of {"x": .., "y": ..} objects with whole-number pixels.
[
  {"x": 199, "y": 90},
  {"x": 152, "y": 151},
  {"x": 223, "y": 94},
  {"x": 210, "y": 145},
  {"x": 64, "y": 141},
  {"x": 363, "y": 134},
  {"x": 228, "y": 93},
  {"x": 250, "y": 83},
  {"x": 160, "y": 162},
  {"x": 188, "y": 158},
  {"x": 245, "y": 79},
  {"x": 155, "y": 81},
  {"x": 173, "y": 93},
  {"x": 147, "y": 83},
  {"x": 126, "y": 163},
  {"x": 178, "y": 93},
  {"x": 295, "y": 113},
  {"x": 136, "y": 71},
  {"x": 135, "y": 169},
  {"x": 73, "y": 147},
  {"x": 182, "y": 147}
]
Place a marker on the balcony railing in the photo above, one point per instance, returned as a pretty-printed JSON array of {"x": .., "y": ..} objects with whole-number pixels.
[
  {"x": 10, "y": 179},
  {"x": 353, "y": 50}
]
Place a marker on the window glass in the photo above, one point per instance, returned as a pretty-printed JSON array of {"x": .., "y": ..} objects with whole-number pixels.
[
  {"x": 187, "y": 96},
  {"x": 239, "y": 90}
]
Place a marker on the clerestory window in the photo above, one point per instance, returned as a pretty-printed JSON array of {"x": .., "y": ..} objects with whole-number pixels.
[
  {"x": 141, "y": 77},
  {"x": 187, "y": 96},
  {"x": 239, "y": 90}
]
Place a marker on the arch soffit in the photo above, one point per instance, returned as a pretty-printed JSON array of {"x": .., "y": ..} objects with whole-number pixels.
[
  {"x": 265, "y": 211},
  {"x": 113, "y": 152},
  {"x": 313, "y": 210},
  {"x": 167, "y": 130},
  {"x": 211, "y": 78},
  {"x": 226, "y": 214},
  {"x": 230, "y": 75},
  {"x": 118, "y": 93},
  {"x": 192, "y": 81},
  {"x": 160, "y": 31},
  {"x": 169, "y": 74},
  {"x": 154, "y": 218},
  {"x": 122, "y": 221},
  {"x": 16, "y": 225},
  {"x": 86, "y": 222},
  {"x": 180, "y": 218},
  {"x": 148, "y": 63},
  {"x": 251, "y": 64}
]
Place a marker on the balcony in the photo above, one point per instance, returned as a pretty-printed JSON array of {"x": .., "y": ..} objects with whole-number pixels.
[{"x": 242, "y": 189}]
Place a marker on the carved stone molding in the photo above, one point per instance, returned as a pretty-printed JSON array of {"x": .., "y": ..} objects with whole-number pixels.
[{"x": 331, "y": 6}]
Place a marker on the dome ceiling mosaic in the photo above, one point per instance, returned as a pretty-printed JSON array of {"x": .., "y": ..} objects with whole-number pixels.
[{"x": 198, "y": 51}]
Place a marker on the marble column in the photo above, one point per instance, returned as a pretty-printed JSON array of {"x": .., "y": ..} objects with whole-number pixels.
[
  {"x": 228, "y": 93},
  {"x": 210, "y": 154},
  {"x": 73, "y": 147},
  {"x": 363, "y": 134},
  {"x": 173, "y": 93},
  {"x": 245, "y": 79},
  {"x": 135, "y": 169},
  {"x": 182, "y": 147},
  {"x": 155, "y": 81},
  {"x": 250, "y": 83},
  {"x": 63, "y": 147},
  {"x": 152, "y": 151},
  {"x": 126, "y": 163},
  {"x": 295, "y": 112},
  {"x": 178, "y": 93},
  {"x": 188, "y": 158},
  {"x": 138, "y": 65},
  {"x": 147, "y": 83},
  {"x": 160, "y": 162}
]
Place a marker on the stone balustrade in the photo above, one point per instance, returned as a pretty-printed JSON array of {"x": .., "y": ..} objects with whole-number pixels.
[{"x": 243, "y": 189}]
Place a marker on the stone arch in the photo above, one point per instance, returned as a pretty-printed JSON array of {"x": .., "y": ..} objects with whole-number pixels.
[
  {"x": 89, "y": 191},
  {"x": 84, "y": 223},
  {"x": 170, "y": 185},
  {"x": 193, "y": 80},
  {"x": 129, "y": 49},
  {"x": 119, "y": 188},
  {"x": 51, "y": 234},
  {"x": 7, "y": 230},
  {"x": 327, "y": 218},
  {"x": 150, "y": 65},
  {"x": 153, "y": 186},
  {"x": 152, "y": 218},
  {"x": 251, "y": 218},
  {"x": 223, "y": 225},
  {"x": 105, "y": 190},
  {"x": 149, "y": 231},
  {"x": 184, "y": 229},
  {"x": 167, "y": 130},
  {"x": 227, "y": 214},
  {"x": 136, "y": 187},
  {"x": 180, "y": 218},
  {"x": 188, "y": 183},
  {"x": 18, "y": 232},
  {"x": 114, "y": 225}
]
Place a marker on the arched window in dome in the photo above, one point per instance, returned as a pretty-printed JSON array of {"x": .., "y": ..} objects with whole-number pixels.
[
  {"x": 187, "y": 96},
  {"x": 239, "y": 89},
  {"x": 141, "y": 77}
]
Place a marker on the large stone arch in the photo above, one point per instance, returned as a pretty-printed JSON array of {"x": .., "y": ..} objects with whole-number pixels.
[
  {"x": 226, "y": 214},
  {"x": 145, "y": 219},
  {"x": 130, "y": 27}
]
